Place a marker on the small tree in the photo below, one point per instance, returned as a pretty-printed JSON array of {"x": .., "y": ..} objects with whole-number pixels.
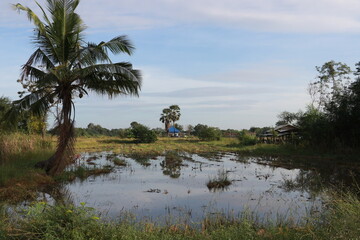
[
  {"x": 206, "y": 133},
  {"x": 142, "y": 134},
  {"x": 246, "y": 139}
]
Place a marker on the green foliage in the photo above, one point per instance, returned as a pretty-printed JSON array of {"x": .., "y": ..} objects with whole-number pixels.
[
  {"x": 247, "y": 139},
  {"x": 286, "y": 117},
  {"x": 332, "y": 81},
  {"x": 206, "y": 133},
  {"x": 5, "y": 105},
  {"x": 143, "y": 134},
  {"x": 331, "y": 121}
]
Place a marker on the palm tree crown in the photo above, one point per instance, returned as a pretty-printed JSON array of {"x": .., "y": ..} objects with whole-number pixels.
[{"x": 64, "y": 67}]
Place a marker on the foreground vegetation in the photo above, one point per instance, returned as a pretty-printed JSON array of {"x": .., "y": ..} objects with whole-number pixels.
[{"x": 43, "y": 221}]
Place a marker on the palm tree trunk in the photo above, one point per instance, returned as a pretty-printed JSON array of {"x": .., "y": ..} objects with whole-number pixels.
[{"x": 65, "y": 148}]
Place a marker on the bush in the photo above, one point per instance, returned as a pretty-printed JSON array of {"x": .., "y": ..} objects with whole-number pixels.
[
  {"x": 143, "y": 134},
  {"x": 206, "y": 133},
  {"x": 247, "y": 139}
]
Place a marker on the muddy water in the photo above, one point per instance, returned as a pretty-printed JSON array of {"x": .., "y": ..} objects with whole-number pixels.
[{"x": 173, "y": 188}]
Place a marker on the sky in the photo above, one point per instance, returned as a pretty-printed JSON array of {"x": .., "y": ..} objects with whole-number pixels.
[{"x": 228, "y": 64}]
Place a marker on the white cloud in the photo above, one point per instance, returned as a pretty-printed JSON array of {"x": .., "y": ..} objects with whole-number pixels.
[{"x": 322, "y": 16}]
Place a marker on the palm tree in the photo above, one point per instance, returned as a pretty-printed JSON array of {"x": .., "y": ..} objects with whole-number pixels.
[
  {"x": 165, "y": 118},
  {"x": 169, "y": 115},
  {"x": 64, "y": 67},
  {"x": 174, "y": 113}
]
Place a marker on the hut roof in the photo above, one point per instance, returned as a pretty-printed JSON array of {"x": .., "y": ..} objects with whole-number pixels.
[{"x": 173, "y": 129}]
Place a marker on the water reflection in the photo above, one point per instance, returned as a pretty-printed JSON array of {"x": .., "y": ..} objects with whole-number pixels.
[{"x": 174, "y": 186}]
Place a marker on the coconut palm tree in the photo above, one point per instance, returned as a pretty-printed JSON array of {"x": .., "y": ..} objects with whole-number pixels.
[{"x": 64, "y": 67}]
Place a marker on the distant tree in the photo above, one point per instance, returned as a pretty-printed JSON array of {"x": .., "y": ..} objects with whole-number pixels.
[
  {"x": 189, "y": 129},
  {"x": 246, "y": 139},
  {"x": 165, "y": 118},
  {"x": 332, "y": 81},
  {"x": 5, "y": 105},
  {"x": 37, "y": 124},
  {"x": 179, "y": 127},
  {"x": 142, "y": 134},
  {"x": 206, "y": 133},
  {"x": 159, "y": 131},
  {"x": 170, "y": 115},
  {"x": 286, "y": 117},
  {"x": 174, "y": 113}
]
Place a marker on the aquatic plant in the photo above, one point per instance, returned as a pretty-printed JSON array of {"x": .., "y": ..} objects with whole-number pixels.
[{"x": 220, "y": 181}]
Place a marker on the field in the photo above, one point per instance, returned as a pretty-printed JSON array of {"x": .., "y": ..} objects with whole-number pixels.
[{"x": 20, "y": 181}]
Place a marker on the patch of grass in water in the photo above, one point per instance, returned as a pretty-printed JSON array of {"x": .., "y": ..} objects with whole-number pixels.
[
  {"x": 83, "y": 172},
  {"x": 119, "y": 162},
  {"x": 221, "y": 181}
]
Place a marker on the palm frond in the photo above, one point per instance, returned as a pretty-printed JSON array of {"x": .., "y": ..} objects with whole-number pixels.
[
  {"x": 36, "y": 103},
  {"x": 92, "y": 54},
  {"x": 111, "y": 79},
  {"x": 120, "y": 44},
  {"x": 31, "y": 16},
  {"x": 40, "y": 58}
]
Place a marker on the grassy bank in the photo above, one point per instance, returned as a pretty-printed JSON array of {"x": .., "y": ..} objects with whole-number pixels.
[
  {"x": 18, "y": 155},
  {"x": 42, "y": 221},
  {"x": 194, "y": 145}
]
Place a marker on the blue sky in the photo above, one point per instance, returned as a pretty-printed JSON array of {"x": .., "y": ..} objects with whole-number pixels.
[{"x": 230, "y": 64}]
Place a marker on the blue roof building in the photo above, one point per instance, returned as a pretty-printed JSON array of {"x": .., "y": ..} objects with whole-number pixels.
[{"x": 173, "y": 129}]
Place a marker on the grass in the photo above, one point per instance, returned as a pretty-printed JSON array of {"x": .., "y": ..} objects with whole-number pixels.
[
  {"x": 19, "y": 179},
  {"x": 221, "y": 181},
  {"x": 43, "y": 221},
  {"x": 194, "y": 145},
  {"x": 119, "y": 162},
  {"x": 83, "y": 172}
]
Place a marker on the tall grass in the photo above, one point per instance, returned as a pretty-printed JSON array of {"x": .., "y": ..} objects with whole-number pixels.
[{"x": 19, "y": 153}]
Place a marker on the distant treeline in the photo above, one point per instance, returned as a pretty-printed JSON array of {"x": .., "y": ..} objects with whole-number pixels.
[{"x": 200, "y": 130}]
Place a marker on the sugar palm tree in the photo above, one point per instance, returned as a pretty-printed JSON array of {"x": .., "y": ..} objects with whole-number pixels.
[
  {"x": 64, "y": 67},
  {"x": 168, "y": 115},
  {"x": 165, "y": 118},
  {"x": 174, "y": 113}
]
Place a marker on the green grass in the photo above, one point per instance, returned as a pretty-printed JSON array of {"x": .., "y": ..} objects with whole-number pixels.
[
  {"x": 194, "y": 145},
  {"x": 20, "y": 164},
  {"x": 19, "y": 179},
  {"x": 119, "y": 162},
  {"x": 42, "y": 221},
  {"x": 19, "y": 153},
  {"x": 83, "y": 172}
]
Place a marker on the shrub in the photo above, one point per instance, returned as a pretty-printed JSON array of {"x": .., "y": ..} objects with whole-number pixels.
[
  {"x": 247, "y": 139},
  {"x": 206, "y": 133},
  {"x": 143, "y": 134}
]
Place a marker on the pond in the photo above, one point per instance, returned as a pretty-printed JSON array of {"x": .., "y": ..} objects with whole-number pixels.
[{"x": 173, "y": 187}]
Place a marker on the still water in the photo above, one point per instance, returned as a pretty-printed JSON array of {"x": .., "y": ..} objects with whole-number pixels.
[{"x": 173, "y": 187}]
